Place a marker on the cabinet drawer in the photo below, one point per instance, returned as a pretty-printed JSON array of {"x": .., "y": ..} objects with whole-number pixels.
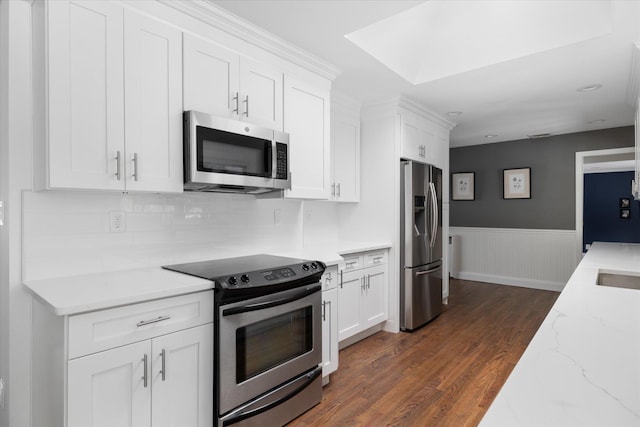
[
  {"x": 353, "y": 262},
  {"x": 104, "y": 329},
  {"x": 330, "y": 277},
  {"x": 375, "y": 258}
]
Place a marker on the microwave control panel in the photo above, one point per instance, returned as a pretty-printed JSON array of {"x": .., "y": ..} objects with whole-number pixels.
[{"x": 281, "y": 161}]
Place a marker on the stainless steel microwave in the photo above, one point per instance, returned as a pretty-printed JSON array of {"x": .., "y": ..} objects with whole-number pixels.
[{"x": 227, "y": 155}]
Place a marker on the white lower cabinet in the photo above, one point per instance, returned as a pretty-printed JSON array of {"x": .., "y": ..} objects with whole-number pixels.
[
  {"x": 329, "y": 322},
  {"x": 146, "y": 364},
  {"x": 362, "y": 293}
]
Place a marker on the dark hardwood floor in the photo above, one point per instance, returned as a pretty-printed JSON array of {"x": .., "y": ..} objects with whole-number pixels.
[{"x": 444, "y": 374}]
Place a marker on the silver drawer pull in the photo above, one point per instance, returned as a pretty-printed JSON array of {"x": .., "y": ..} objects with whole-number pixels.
[
  {"x": 377, "y": 259},
  {"x": 156, "y": 320}
]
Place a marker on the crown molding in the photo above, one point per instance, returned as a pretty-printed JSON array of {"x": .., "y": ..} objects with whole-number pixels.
[
  {"x": 633, "y": 90},
  {"x": 218, "y": 17},
  {"x": 376, "y": 109}
]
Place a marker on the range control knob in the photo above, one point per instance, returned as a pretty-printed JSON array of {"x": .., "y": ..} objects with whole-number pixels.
[
  {"x": 232, "y": 281},
  {"x": 244, "y": 278},
  {"x": 305, "y": 267},
  {"x": 314, "y": 265}
]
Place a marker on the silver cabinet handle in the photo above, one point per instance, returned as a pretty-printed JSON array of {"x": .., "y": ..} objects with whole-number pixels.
[
  {"x": 377, "y": 259},
  {"x": 246, "y": 106},
  {"x": 145, "y": 378},
  {"x": 118, "y": 167},
  {"x": 328, "y": 277},
  {"x": 135, "y": 166},
  {"x": 156, "y": 320},
  {"x": 324, "y": 311},
  {"x": 350, "y": 263},
  {"x": 338, "y": 190},
  {"x": 333, "y": 189},
  {"x": 340, "y": 278},
  {"x": 363, "y": 284},
  {"x": 236, "y": 98},
  {"x": 368, "y": 281},
  {"x": 163, "y": 369}
]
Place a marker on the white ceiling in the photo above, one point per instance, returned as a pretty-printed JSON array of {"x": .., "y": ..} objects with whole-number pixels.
[{"x": 511, "y": 67}]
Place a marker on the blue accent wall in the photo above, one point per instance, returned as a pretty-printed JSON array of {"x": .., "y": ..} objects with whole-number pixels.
[{"x": 602, "y": 222}]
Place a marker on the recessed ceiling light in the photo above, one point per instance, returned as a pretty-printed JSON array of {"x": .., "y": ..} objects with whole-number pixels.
[
  {"x": 589, "y": 88},
  {"x": 453, "y": 113},
  {"x": 596, "y": 121},
  {"x": 491, "y": 136},
  {"x": 539, "y": 135}
]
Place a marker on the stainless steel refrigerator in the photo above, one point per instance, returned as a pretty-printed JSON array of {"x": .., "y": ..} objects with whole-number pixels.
[{"x": 420, "y": 244}]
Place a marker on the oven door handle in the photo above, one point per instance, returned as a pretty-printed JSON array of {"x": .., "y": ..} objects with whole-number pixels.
[
  {"x": 269, "y": 304},
  {"x": 240, "y": 416}
]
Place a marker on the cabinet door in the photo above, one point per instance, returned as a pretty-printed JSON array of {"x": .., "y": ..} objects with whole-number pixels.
[
  {"x": 306, "y": 119},
  {"x": 85, "y": 90},
  {"x": 350, "y": 293},
  {"x": 153, "y": 104},
  {"x": 329, "y": 331},
  {"x": 261, "y": 94},
  {"x": 108, "y": 389},
  {"x": 211, "y": 78},
  {"x": 346, "y": 159},
  {"x": 374, "y": 307},
  {"x": 182, "y": 377},
  {"x": 411, "y": 146}
]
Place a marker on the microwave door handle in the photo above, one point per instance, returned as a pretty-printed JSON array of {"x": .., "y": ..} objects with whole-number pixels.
[
  {"x": 274, "y": 158},
  {"x": 270, "y": 304}
]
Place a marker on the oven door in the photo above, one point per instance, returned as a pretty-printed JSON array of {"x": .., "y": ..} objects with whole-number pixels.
[{"x": 266, "y": 341}]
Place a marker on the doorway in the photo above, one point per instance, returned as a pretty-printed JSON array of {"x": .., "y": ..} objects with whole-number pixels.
[{"x": 586, "y": 161}]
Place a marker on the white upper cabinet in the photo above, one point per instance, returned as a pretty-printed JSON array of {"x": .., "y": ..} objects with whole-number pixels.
[
  {"x": 211, "y": 78},
  {"x": 306, "y": 120},
  {"x": 345, "y": 149},
  {"x": 220, "y": 82},
  {"x": 113, "y": 99},
  {"x": 153, "y": 104},
  {"x": 261, "y": 94},
  {"x": 85, "y": 95}
]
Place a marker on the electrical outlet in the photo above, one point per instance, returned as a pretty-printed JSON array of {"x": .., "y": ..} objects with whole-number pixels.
[
  {"x": 116, "y": 221},
  {"x": 277, "y": 216}
]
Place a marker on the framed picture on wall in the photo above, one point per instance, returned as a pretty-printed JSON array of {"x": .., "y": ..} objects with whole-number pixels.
[
  {"x": 463, "y": 186},
  {"x": 625, "y": 213},
  {"x": 625, "y": 202},
  {"x": 517, "y": 183}
]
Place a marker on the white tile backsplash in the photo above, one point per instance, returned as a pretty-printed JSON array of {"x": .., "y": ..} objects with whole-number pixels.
[{"x": 68, "y": 233}]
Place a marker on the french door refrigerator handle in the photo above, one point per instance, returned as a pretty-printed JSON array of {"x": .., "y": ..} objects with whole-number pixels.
[
  {"x": 434, "y": 216},
  {"x": 432, "y": 270}
]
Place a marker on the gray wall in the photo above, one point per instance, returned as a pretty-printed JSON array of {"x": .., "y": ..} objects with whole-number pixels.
[{"x": 552, "y": 163}]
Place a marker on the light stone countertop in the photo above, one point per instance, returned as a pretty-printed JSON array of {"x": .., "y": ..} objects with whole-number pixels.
[
  {"x": 77, "y": 294},
  {"x": 582, "y": 367}
]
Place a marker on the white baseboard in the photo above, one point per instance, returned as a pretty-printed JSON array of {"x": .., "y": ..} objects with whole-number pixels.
[{"x": 511, "y": 281}]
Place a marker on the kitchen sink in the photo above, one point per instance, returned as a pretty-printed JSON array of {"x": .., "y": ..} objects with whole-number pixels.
[{"x": 619, "y": 279}]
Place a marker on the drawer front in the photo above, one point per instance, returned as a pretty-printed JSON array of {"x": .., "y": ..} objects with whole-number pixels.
[
  {"x": 375, "y": 258},
  {"x": 330, "y": 277},
  {"x": 353, "y": 262},
  {"x": 104, "y": 329}
]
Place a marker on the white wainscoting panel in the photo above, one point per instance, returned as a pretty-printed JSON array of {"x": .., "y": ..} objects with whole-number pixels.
[{"x": 540, "y": 259}]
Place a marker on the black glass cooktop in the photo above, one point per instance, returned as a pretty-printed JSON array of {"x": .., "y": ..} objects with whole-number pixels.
[{"x": 254, "y": 271}]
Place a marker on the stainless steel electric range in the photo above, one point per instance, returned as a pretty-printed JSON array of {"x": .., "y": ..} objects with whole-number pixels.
[{"x": 268, "y": 337}]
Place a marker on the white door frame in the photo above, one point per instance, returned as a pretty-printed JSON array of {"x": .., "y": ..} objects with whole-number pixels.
[{"x": 581, "y": 156}]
